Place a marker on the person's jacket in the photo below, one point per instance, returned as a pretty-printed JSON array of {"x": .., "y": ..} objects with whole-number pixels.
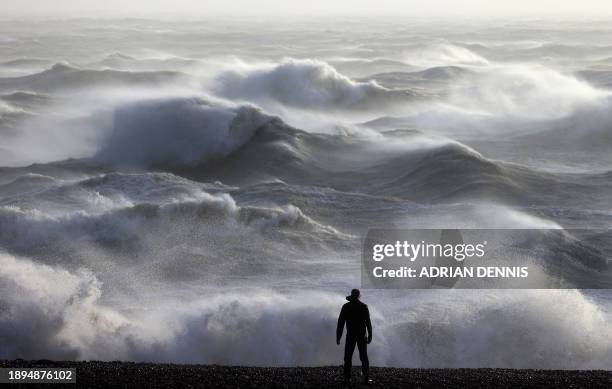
[{"x": 357, "y": 318}]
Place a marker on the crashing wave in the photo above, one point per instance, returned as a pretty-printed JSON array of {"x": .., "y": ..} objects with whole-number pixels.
[
  {"x": 306, "y": 84},
  {"x": 526, "y": 92},
  {"x": 122, "y": 221},
  {"x": 53, "y": 313},
  {"x": 181, "y": 131},
  {"x": 57, "y": 313}
]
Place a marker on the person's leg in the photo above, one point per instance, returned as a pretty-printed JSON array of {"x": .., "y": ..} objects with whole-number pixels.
[
  {"x": 362, "y": 345},
  {"x": 349, "y": 348}
]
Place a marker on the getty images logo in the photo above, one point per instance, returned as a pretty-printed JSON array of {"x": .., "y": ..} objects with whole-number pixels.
[{"x": 457, "y": 250}]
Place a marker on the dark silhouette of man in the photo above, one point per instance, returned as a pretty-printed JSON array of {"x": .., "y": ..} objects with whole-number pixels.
[{"x": 357, "y": 318}]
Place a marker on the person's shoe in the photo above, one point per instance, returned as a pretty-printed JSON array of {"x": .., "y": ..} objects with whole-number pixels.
[
  {"x": 347, "y": 383},
  {"x": 367, "y": 382}
]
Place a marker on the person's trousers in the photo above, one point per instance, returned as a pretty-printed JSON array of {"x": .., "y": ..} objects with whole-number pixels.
[{"x": 349, "y": 348}]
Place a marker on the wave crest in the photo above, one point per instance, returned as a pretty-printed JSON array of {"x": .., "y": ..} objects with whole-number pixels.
[
  {"x": 181, "y": 131},
  {"x": 53, "y": 313},
  {"x": 306, "y": 83},
  {"x": 441, "y": 54},
  {"x": 525, "y": 92}
]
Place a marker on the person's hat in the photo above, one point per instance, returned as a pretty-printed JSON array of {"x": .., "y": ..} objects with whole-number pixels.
[{"x": 354, "y": 295}]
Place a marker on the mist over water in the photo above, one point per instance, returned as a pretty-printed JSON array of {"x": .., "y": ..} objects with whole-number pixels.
[{"x": 197, "y": 191}]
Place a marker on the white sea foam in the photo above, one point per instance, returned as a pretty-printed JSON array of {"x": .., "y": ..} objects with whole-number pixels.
[
  {"x": 300, "y": 83},
  {"x": 59, "y": 314},
  {"x": 532, "y": 92}
]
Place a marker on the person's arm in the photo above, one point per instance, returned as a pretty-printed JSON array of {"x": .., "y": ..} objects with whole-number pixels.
[
  {"x": 368, "y": 324},
  {"x": 340, "y": 328}
]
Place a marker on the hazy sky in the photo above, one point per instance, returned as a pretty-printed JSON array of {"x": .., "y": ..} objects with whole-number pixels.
[{"x": 60, "y": 8}]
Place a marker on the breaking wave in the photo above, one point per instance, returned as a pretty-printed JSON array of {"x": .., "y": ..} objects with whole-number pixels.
[
  {"x": 53, "y": 312},
  {"x": 306, "y": 84},
  {"x": 58, "y": 314},
  {"x": 526, "y": 92},
  {"x": 178, "y": 131},
  {"x": 443, "y": 54},
  {"x": 122, "y": 221}
]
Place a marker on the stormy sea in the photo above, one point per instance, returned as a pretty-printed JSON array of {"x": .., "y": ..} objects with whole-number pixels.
[{"x": 197, "y": 191}]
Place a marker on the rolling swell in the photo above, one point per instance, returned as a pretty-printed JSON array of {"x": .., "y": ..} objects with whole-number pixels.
[
  {"x": 449, "y": 172},
  {"x": 437, "y": 76},
  {"x": 211, "y": 140},
  {"x": 26, "y": 99},
  {"x": 64, "y": 77},
  {"x": 457, "y": 173}
]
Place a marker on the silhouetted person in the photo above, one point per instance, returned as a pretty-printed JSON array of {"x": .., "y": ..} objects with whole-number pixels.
[{"x": 357, "y": 318}]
